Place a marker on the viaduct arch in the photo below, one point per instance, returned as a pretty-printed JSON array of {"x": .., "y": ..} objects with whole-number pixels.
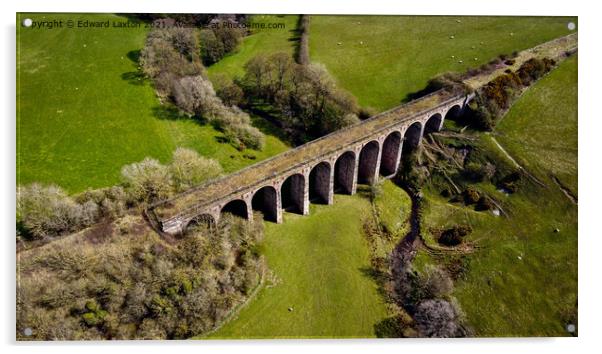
[{"x": 312, "y": 173}]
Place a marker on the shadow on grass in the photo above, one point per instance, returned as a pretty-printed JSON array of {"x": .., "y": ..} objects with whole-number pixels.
[
  {"x": 418, "y": 94},
  {"x": 379, "y": 277},
  {"x": 135, "y": 77},
  {"x": 390, "y": 327},
  {"x": 172, "y": 113},
  {"x": 296, "y": 37},
  {"x": 268, "y": 125},
  {"x": 168, "y": 112}
]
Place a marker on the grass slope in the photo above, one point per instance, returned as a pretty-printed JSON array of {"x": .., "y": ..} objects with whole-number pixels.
[
  {"x": 381, "y": 59},
  {"x": 262, "y": 41},
  {"x": 320, "y": 263},
  {"x": 82, "y": 113},
  {"x": 541, "y": 129},
  {"x": 522, "y": 280}
]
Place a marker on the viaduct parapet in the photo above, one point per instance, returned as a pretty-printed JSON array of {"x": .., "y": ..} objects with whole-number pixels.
[{"x": 313, "y": 172}]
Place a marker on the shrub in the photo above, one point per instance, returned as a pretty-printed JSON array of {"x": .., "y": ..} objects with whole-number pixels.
[
  {"x": 170, "y": 52},
  {"x": 147, "y": 181},
  {"x": 366, "y": 112},
  {"x": 450, "y": 238},
  {"x": 454, "y": 235},
  {"x": 49, "y": 211},
  {"x": 195, "y": 95},
  {"x": 481, "y": 115},
  {"x": 436, "y": 282},
  {"x": 438, "y": 318},
  {"x": 471, "y": 195},
  {"x": 94, "y": 314},
  {"x": 244, "y": 136},
  {"x": 502, "y": 89},
  {"x": 212, "y": 49},
  {"x": 511, "y": 182},
  {"x": 484, "y": 203},
  {"x": 189, "y": 169},
  {"x": 227, "y": 90},
  {"x": 110, "y": 202},
  {"x": 479, "y": 172},
  {"x": 219, "y": 39},
  {"x": 534, "y": 68}
]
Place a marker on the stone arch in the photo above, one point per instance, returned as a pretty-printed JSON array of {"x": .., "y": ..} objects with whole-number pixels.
[
  {"x": 344, "y": 172},
  {"x": 453, "y": 112},
  {"x": 319, "y": 183},
  {"x": 367, "y": 164},
  {"x": 237, "y": 207},
  {"x": 390, "y": 154},
  {"x": 205, "y": 220},
  {"x": 292, "y": 193},
  {"x": 433, "y": 124},
  {"x": 412, "y": 136},
  {"x": 265, "y": 200}
]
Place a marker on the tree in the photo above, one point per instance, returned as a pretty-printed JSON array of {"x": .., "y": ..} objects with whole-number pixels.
[
  {"x": 221, "y": 38},
  {"x": 170, "y": 53},
  {"x": 48, "y": 211},
  {"x": 147, "y": 181},
  {"x": 189, "y": 169},
  {"x": 212, "y": 49},
  {"x": 195, "y": 95},
  {"x": 438, "y": 318},
  {"x": 228, "y": 33},
  {"x": 227, "y": 90},
  {"x": 256, "y": 73},
  {"x": 436, "y": 282}
]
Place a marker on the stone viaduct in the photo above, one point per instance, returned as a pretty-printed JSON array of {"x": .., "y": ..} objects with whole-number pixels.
[{"x": 313, "y": 172}]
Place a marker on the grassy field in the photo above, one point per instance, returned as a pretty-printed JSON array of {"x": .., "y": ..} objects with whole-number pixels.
[
  {"x": 522, "y": 280},
  {"x": 320, "y": 263},
  {"x": 83, "y": 113},
  {"x": 381, "y": 59},
  {"x": 262, "y": 41},
  {"x": 543, "y": 136}
]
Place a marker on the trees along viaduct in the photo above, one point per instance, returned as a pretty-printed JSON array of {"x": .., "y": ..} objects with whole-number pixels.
[{"x": 313, "y": 172}]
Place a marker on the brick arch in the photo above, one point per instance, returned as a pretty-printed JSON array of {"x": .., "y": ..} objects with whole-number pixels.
[
  {"x": 412, "y": 136},
  {"x": 319, "y": 183},
  {"x": 390, "y": 154},
  {"x": 344, "y": 172},
  {"x": 434, "y": 123},
  {"x": 368, "y": 162},
  {"x": 292, "y": 193},
  {"x": 265, "y": 200},
  {"x": 206, "y": 220},
  {"x": 237, "y": 207},
  {"x": 454, "y": 112}
]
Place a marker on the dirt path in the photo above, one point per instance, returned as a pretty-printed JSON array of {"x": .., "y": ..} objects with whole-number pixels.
[
  {"x": 508, "y": 156},
  {"x": 566, "y": 191},
  {"x": 524, "y": 170}
]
